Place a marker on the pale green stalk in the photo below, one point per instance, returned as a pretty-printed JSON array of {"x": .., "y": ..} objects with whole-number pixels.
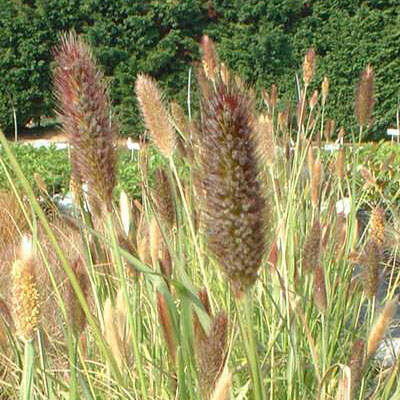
[
  {"x": 26, "y": 390},
  {"x": 122, "y": 278},
  {"x": 72, "y": 350},
  {"x": 244, "y": 313},
  {"x": 191, "y": 227}
]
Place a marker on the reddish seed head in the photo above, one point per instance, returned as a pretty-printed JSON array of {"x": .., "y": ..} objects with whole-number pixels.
[
  {"x": 325, "y": 89},
  {"x": 75, "y": 314},
  {"x": 274, "y": 95},
  {"x": 167, "y": 326},
  {"x": 232, "y": 206},
  {"x": 308, "y": 66},
  {"x": 365, "y": 97},
  {"x": 320, "y": 290},
  {"x": 211, "y": 353},
  {"x": 312, "y": 248},
  {"x": 84, "y": 111},
  {"x": 314, "y": 99},
  {"x": 356, "y": 364}
]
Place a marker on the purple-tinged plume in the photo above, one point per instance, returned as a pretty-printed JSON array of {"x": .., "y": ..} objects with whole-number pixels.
[
  {"x": 232, "y": 206},
  {"x": 84, "y": 110}
]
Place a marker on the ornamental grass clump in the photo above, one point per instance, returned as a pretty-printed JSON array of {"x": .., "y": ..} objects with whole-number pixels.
[
  {"x": 136, "y": 326},
  {"x": 84, "y": 110}
]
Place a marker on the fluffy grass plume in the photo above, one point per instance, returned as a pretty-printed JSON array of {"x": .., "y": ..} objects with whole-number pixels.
[
  {"x": 313, "y": 100},
  {"x": 380, "y": 326},
  {"x": 365, "y": 97},
  {"x": 377, "y": 225},
  {"x": 155, "y": 114},
  {"x": 84, "y": 110},
  {"x": 164, "y": 197},
  {"x": 167, "y": 327},
  {"x": 325, "y": 89},
  {"x": 115, "y": 328},
  {"x": 340, "y": 163},
  {"x": 357, "y": 359},
  {"x": 312, "y": 248},
  {"x": 26, "y": 307},
  {"x": 155, "y": 241},
  {"x": 316, "y": 177},
  {"x": 308, "y": 66},
  {"x": 179, "y": 118},
  {"x": 232, "y": 206},
  {"x": 211, "y": 353},
  {"x": 75, "y": 314},
  {"x": 320, "y": 298},
  {"x": 223, "y": 387},
  {"x": 265, "y": 140},
  {"x": 209, "y": 57},
  {"x": 370, "y": 259}
]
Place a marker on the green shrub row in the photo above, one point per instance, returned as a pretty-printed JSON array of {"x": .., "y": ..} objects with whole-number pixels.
[
  {"x": 263, "y": 41},
  {"x": 54, "y": 168},
  {"x": 381, "y": 159}
]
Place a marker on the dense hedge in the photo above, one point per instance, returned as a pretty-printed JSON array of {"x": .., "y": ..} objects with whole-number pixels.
[{"x": 263, "y": 41}]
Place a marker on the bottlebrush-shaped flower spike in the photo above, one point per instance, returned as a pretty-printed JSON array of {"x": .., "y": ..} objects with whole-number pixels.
[
  {"x": 84, "y": 110},
  {"x": 232, "y": 205}
]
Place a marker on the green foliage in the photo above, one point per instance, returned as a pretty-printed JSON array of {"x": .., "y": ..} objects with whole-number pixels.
[
  {"x": 29, "y": 32},
  {"x": 347, "y": 36},
  {"x": 25, "y": 74},
  {"x": 383, "y": 161},
  {"x": 129, "y": 176},
  {"x": 254, "y": 38},
  {"x": 54, "y": 168},
  {"x": 263, "y": 41},
  {"x": 51, "y": 164},
  {"x": 155, "y": 37}
]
